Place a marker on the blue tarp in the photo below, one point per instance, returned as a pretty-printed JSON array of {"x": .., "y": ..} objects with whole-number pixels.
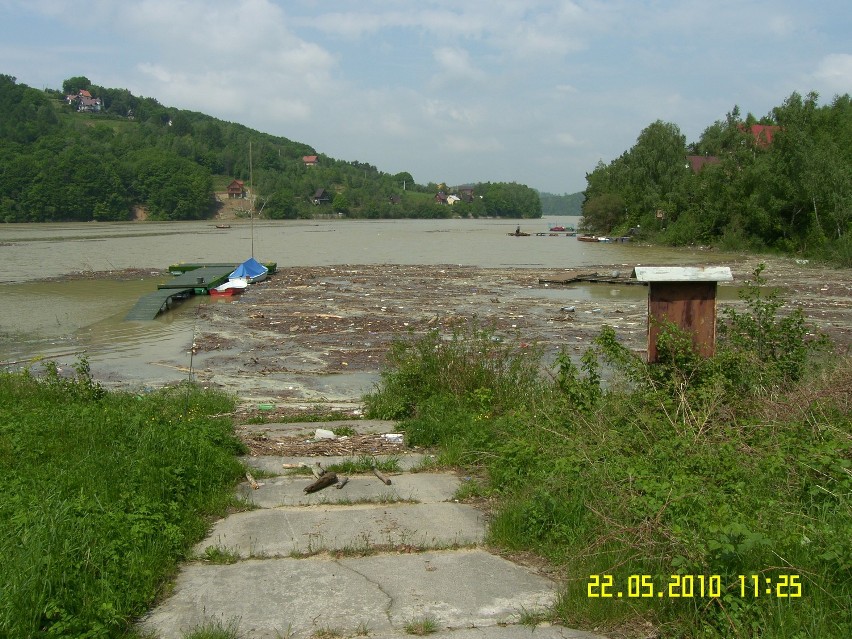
[{"x": 249, "y": 269}]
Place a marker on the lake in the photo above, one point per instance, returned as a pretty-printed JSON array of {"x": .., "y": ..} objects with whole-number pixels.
[{"x": 61, "y": 318}]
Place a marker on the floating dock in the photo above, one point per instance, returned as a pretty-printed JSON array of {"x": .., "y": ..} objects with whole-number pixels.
[{"x": 197, "y": 280}]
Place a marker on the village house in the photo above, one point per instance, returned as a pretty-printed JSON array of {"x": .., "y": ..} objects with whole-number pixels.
[
  {"x": 236, "y": 189},
  {"x": 84, "y": 102},
  {"x": 310, "y": 160},
  {"x": 320, "y": 197}
]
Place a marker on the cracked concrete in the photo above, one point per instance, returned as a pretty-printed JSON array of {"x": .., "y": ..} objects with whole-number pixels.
[{"x": 353, "y": 561}]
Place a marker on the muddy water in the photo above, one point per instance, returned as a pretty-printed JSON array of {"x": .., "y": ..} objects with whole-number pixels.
[{"x": 60, "y": 319}]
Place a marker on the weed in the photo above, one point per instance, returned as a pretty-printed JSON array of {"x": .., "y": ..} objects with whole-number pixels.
[
  {"x": 215, "y": 630},
  {"x": 220, "y": 555},
  {"x": 328, "y": 633},
  {"x": 362, "y": 629},
  {"x": 421, "y": 626}
]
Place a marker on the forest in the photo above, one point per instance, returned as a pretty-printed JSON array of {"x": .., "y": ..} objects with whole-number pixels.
[
  {"x": 109, "y": 155},
  {"x": 779, "y": 183}
]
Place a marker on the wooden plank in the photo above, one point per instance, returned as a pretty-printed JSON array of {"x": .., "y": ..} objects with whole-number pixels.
[
  {"x": 691, "y": 306},
  {"x": 683, "y": 274}
]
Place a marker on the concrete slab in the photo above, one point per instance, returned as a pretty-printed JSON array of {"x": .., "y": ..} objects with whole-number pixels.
[
  {"x": 289, "y": 491},
  {"x": 273, "y": 464},
  {"x": 361, "y": 426},
  {"x": 504, "y": 632},
  {"x": 296, "y": 597},
  {"x": 283, "y": 531}
]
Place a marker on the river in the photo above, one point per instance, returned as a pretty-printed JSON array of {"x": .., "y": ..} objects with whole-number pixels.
[{"x": 46, "y": 314}]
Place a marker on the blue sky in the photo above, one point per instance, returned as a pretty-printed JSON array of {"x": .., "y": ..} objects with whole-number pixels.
[{"x": 531, "y": 91}]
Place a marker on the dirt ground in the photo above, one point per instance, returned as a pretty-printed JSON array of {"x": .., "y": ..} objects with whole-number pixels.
[{"x": 315, "y": 338}]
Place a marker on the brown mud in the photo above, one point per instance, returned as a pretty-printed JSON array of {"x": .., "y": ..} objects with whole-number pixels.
[{"x": 314, "y": 339}]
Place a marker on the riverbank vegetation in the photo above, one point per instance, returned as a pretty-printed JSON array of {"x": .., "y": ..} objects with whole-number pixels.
[
  {"x": 782, "y": 183},
  {"x": 724, "y": 483},
  {"x": 102, "y": 494},
  {"x": 130, "y": 156}
]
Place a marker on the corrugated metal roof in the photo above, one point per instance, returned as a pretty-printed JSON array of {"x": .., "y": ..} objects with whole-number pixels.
[{"x": 683, "y": 273}]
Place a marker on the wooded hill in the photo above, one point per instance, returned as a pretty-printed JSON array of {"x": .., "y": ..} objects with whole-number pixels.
[
  {"x": 782, "y": 182},
  {"x": 107, "y": 154}
]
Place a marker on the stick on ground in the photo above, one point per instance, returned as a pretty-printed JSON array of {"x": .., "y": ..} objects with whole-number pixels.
[
  {"x": 328, "y": 479},
  {"x": 384, "y": 478}
]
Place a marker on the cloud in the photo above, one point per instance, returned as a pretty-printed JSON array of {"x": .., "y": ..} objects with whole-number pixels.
[
  {"x": 455, "y": 64},
  {"x": 834, "y": 72}
]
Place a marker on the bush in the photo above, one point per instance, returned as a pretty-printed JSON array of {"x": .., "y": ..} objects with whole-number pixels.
[
  {"x": 688, "y": 466},
  {"x": 102, "y": 494}
]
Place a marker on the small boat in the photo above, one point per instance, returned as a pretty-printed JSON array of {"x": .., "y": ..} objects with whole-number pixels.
[
  {"x": 223, "y": 226},
  {"x": 588, "y": 238},
  {"x": 518, "y": 234},
  {"x": 250, "y": 271},
  {"x": 560, "y": 228},
  {"x": 229, "y": 288}
]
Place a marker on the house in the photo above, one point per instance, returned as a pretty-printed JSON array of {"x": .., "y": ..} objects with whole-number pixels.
[
  {"x": 84, "y": 102},
  {"x": 237, "y": 189},
  {"x": 762, "y": 133},
  {"x": 441, "y": 198},
  {"x": 395, "y": 199},
  {"x": 698, "y": 162},
  {"x": 465, "y": 193},
  {"x": 452, "y": 199},
  {"x": 310, "y": 160},
  {"x": 320, "y": 197}
]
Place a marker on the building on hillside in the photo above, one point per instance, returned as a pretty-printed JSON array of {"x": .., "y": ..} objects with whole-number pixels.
[
  {"x": 320, "y": 197},
  {"x": 441, "y": 198},
  {"x": 236, "y": 189},
  {"x": 465, "y": 193},
  {"x": 762, "y": 133},
  {"x": 84, "y": 102},
  {"x": 310, "y": 160}
]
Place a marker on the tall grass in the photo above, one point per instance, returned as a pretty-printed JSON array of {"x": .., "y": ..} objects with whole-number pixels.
[
  {"x": 100, "y": 495},
  {"x": 740, "y": 464}
]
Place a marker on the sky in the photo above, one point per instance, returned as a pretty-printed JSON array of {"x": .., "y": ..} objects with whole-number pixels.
[{"x": 529, "y": 91}]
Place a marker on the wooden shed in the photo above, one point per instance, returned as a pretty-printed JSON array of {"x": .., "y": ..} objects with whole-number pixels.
[{"x": 686, "y": 297}]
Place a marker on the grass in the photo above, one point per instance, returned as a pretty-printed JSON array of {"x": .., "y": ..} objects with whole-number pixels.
[
  {"x": 421, "y": 626},
  {"x": 721, "y": 468},
  {"x": 103, "y": 493}
]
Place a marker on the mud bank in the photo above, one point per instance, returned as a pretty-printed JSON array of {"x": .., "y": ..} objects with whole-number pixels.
[{"x": 315, "y": 339}]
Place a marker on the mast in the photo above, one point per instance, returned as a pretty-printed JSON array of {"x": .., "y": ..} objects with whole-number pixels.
[{"x": 251, "y": 200}]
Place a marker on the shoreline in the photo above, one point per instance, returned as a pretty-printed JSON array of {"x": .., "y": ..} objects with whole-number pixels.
[{"x": 314, "y": 339}]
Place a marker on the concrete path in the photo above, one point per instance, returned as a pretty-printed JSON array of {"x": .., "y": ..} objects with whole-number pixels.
[{"x": 365, "y": 560}]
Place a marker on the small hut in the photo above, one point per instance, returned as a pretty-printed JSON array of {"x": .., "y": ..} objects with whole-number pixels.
[{"x": 686, "y": 297}]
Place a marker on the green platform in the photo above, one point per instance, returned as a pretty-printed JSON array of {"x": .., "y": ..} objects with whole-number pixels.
[{"x": 152, "y": 304}]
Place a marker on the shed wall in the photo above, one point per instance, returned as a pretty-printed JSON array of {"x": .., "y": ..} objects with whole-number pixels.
[{"x": 689, "y": 305}]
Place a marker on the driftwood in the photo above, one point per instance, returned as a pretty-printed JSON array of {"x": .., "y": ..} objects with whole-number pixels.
[
  {"x": 254, "y": 485},
  {"x": 384, "y": 478},
  {"x": 328, "y": 479},
  {"x": 342, "y": 483}
]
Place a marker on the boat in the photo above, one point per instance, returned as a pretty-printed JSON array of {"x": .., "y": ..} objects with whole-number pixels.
[
  {"x": 518, "y": 234},
  {"x": 223, "y": 226},
  {"x": 559, "y": 228},
  {"x": 250, "y": 271},
  {"x": 229, "y": 288},
  {"x": 588, "y": 238}
]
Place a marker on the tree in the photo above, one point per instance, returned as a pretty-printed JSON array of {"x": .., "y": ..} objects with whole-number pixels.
[{"x": 74, "y": 85}]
